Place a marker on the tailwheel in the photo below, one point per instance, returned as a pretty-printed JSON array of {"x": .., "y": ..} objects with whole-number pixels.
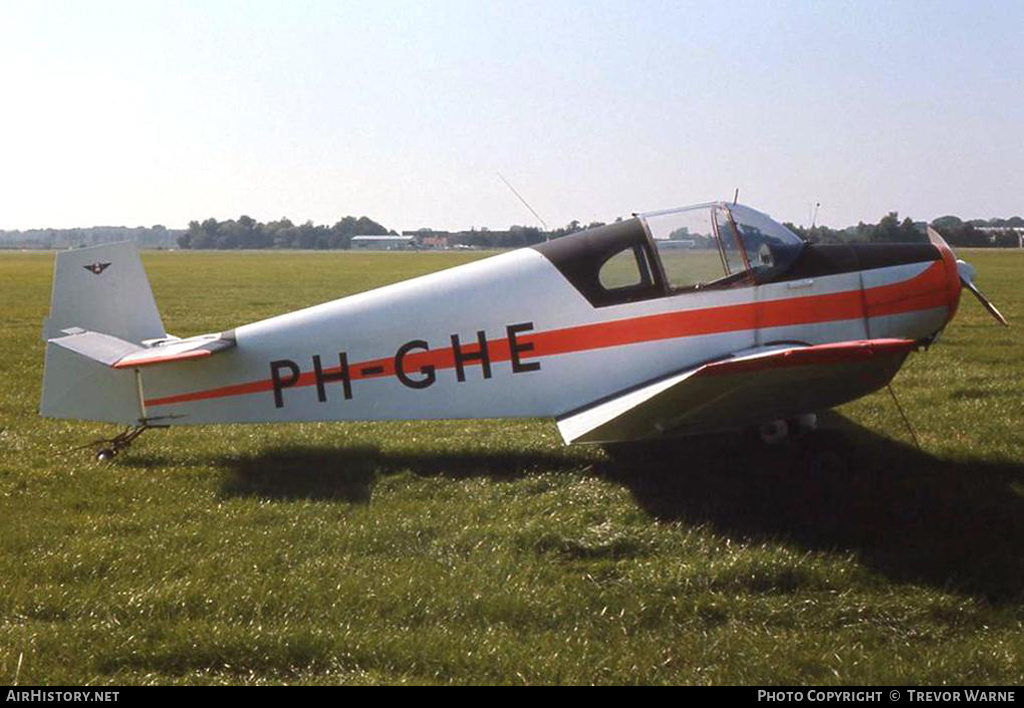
[{"x": 106, "y": 449}]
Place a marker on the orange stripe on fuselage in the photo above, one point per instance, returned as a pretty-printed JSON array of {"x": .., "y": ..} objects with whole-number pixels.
[{"x": 925, "y": 291}]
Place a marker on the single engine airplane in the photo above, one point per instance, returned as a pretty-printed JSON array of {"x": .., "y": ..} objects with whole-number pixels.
[{"x": 684, "y": 321}]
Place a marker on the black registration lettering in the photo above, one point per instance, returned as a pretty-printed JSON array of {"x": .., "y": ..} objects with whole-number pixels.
[
  {"x": 481, "y": 355},
  {"x": 516, "y": 348},
  {"x": 341, "y": 374},
  {"x": 428, "y": 371},
  {"x": 279, "y": 383}
]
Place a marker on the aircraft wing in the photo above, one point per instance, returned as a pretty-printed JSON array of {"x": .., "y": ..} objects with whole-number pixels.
[{"x": 748, "y": 388}]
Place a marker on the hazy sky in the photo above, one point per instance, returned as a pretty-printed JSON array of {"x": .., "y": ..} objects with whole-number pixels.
[{"x": 139, "y": 113}]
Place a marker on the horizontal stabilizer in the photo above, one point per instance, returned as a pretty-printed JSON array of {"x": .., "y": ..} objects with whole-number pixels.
[
  {"x": 746, "y": 389},
  {"x": 119, "y": 354},
  {"x": 179, "y": 350},
  {"x": 101, "y": 348}
]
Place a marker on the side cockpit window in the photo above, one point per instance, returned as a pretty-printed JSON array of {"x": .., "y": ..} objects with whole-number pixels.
[
  {"x": 626, "y": 269},
  {"x": 608, "y": 265}
]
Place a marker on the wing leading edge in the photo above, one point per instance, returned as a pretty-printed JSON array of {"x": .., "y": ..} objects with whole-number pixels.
[{"x": 747, "y": 389}]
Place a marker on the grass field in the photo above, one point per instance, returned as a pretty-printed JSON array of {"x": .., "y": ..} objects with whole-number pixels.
[{"x": 479, "y": 552}]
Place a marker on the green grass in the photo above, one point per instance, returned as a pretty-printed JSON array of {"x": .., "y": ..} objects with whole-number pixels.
[{"x": 479, "y": 552}]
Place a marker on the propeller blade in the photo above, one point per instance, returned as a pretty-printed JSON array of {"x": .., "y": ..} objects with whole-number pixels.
[
  {"x": 985, "y": 302},
  {"x": 966, "y": 272}
]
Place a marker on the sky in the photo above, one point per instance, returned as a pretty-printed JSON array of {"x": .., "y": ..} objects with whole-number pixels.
[{"x": 141, "y": 113}]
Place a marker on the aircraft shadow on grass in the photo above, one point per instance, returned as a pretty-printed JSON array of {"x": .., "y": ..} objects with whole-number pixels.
[
  {"x": 349, "y": 473},
  {"x": 913, "y": 517}
]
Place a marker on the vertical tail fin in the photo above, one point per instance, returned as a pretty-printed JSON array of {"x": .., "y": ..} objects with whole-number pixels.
[{"x": 102, "y": 289}]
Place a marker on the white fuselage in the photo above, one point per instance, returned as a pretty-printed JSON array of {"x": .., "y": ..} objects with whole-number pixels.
[{"x": 549, "y": 350}]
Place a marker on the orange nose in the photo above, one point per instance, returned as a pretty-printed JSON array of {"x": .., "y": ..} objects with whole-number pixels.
[{"x": 953, "y": 285}]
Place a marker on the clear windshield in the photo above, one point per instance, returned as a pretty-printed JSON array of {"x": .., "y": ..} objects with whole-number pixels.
[
  {"x": 720, "y": 244},
  {"x": 769, "y": 246}
]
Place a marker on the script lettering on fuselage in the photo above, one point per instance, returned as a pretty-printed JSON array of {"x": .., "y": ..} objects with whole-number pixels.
[{"x": 285, "y": 373}]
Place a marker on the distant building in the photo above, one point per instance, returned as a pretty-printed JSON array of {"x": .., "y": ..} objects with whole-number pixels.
[
  {"x": 382, "y": 243},
  {"x": 994, "y": 231},
  {"x": 434, "y": 242},
  {"x": 677, "y": 243},
  {"x": 428, "y": 238}
]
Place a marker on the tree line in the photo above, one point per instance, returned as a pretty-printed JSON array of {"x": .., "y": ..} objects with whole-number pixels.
[
  {"x": 246, "y": 232},
  {"x": 156, "y": 236},
  {"x": 976, "y": 233}
]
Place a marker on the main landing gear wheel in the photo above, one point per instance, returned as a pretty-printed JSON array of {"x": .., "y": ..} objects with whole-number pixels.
[
  {"x": 778, "y": 431},
  {"x": 773, "y": 432}
]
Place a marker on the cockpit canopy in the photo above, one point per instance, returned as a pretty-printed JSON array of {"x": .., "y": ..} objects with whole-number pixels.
[
  {"x": 658, "y": 253},
  {"x": 719, "y": 244}
]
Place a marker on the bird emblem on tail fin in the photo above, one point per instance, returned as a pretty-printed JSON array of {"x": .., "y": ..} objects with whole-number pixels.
[{"x": 96, "y": 268}]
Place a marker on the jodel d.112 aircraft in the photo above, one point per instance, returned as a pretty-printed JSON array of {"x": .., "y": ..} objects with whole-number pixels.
[{"x": 675, "y": 322}]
